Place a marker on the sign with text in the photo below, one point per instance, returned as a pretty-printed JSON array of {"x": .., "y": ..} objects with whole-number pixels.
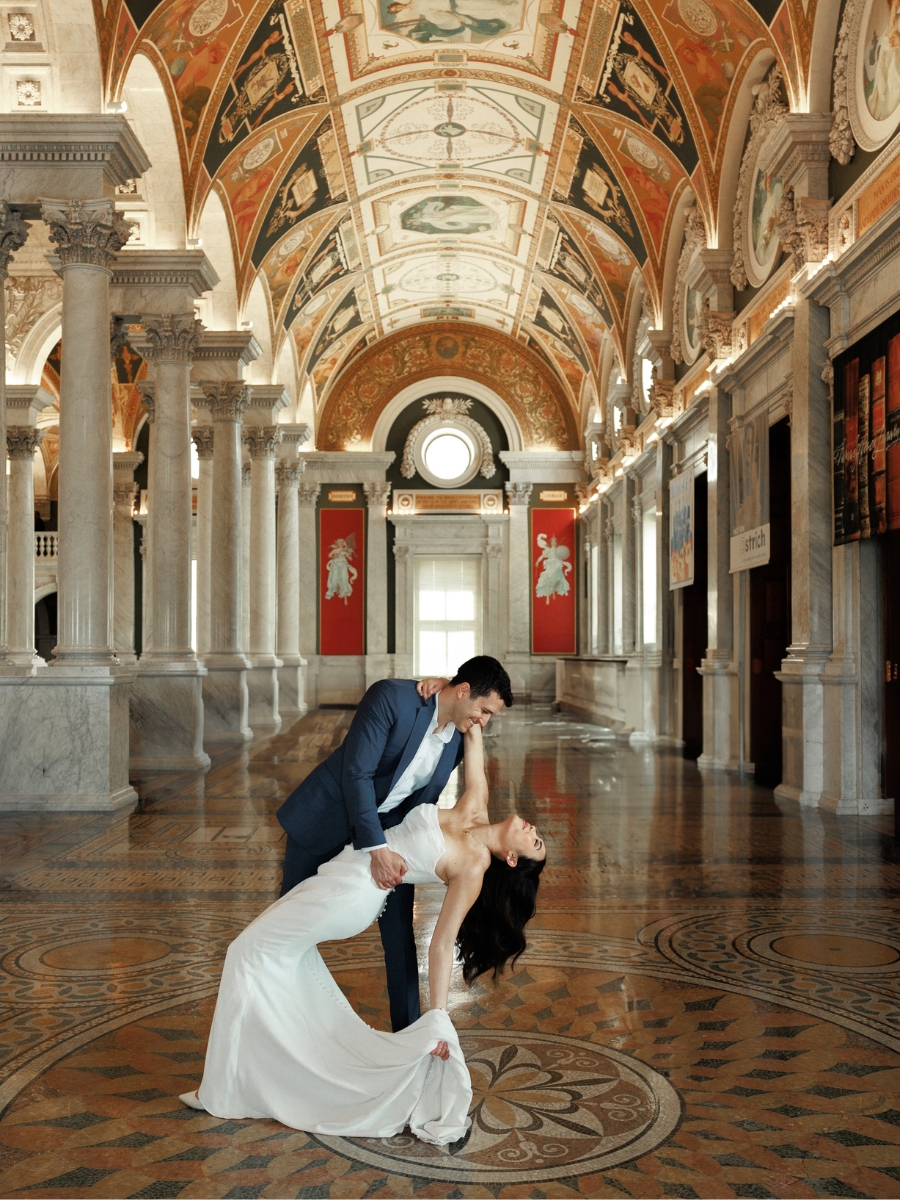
[
  {"x": 750, "y": 536},
  {"x": 553, "y": 580},
  {"x": 342, "y": 581},
  {"x": 681, "y": 530},
  {"x": 866, "y": 436}
]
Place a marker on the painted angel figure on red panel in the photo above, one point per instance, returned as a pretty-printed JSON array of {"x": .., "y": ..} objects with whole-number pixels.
[
  {"x": 555, "y": 568},
  {"x": 341, "y": 574}
]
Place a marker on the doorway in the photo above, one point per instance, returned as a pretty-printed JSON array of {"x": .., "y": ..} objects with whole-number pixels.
[
  {"x": 890, "y": 587},
  {"x": 770, "y": 616},
  {"x": 45, "y": 626},
  {"x": 447, "y": 612},
  {"x": 695, "y": 630}
]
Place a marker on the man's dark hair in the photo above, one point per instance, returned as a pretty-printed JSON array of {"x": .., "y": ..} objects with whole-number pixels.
[{"x": 484, "y": 675}]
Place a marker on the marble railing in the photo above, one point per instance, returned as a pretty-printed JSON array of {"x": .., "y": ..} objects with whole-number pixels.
[{"x": 46, "y": 546}]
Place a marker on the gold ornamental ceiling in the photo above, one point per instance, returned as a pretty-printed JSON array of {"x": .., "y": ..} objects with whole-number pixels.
[{"x": 518, "y": 164}]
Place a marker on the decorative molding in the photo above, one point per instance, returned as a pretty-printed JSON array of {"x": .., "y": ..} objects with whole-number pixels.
[
  {"x": 147, "y": 391},
  {"x": 246, "y": 474},
  {"x": 203, "y": 437},
  {"x": 828, "y": 379},
  {"x": 13, "y": 235},
  {"x": 803, "y": 227},
  {"x": 124, "y": 494},
  {"x": 289, "y": 474},
  {"x": 226, "y": 401},
  {"x": 86, "y": 232},
  {"x": 715, "y": 331},
  {"x": 171, "y": 337},
  {"x": 377, "y": 494},
  {"x": 28, "y": 298},
  {"x": 308, "y": 494},
  {"x": 262, "y": 441},
  {"x": 450, "y": 412},
  {"x": 662, "y": 396},
  {"x": 694, "y": 238},
  {"x": 22, "y": 441},
  {"x": 85, "y": 142},
  {"x": 769, "y": 110},
  {"x": 841, "y": 141},
  {"x": 518, "y": 493},
  {"x": 118, "y": 336},
  {"x": 584, "y": 492}
]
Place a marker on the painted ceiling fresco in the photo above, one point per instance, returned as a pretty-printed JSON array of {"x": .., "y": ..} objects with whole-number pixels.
[{"x": 513, "y": 163}]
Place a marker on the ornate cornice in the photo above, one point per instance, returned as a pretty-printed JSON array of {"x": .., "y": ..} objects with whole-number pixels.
[
  {"x": 377, "y": 494},
  {"x": 226, "y": 401},
  {"x": 171, "y": 337},
  {"x": 84, "y": 143},
  {"x": 262, "y": 441},
  {"x": 13, "y": 234},
  {"x": 289, "y": 474},
  {"x": 23, "y": 440},
  {"x": 86, "y": 232},
  {"x": 518, "y": 493},
  {"x": 203, "y": 436}
]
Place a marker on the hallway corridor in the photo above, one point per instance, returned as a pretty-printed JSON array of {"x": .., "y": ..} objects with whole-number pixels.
[{"x": 708, "y": 1007}]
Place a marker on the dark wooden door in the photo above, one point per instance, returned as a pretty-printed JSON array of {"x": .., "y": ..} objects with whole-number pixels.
[
  {"x": 695, "y": 628},
  {"x": 770, "y": 616},
  {"x": 890, "y": 759}
]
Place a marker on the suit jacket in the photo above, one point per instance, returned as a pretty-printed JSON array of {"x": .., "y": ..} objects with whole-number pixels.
[{"x": 338, "y": 801}]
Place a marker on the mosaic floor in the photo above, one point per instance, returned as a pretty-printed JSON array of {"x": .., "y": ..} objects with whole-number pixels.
[{"x": 709, "y": 1006}]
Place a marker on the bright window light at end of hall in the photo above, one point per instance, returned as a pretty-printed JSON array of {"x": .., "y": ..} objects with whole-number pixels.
[{"x": 447, "y": 456}]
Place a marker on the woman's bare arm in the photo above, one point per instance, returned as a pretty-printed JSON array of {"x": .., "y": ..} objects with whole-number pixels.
[
  {"x": 473, "y": 803},
  {"x": 462, "y": 892}
]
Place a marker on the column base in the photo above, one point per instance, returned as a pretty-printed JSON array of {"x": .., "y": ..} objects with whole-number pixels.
[
  {"x": 22, "y": 665},
  {"x": 720, "y": 709},
  {"x": 291, "y": 687},
  {"x": 803, "y": 725},
  {"x": 167, "y": 718},
  {"x": 80, "y": 760},
  {"x": 262, "y": 686},
  {"x": 225, "y": 700}
]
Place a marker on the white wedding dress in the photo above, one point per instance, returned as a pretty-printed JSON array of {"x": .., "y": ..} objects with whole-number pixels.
[{"x": 285, "y": 1043}]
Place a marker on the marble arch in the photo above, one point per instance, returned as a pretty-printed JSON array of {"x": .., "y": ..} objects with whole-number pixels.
[{"x": 452, "y": 383}]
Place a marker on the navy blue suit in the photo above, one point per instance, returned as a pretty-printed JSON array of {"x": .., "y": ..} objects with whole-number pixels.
[{"x": 338, "y": 803}]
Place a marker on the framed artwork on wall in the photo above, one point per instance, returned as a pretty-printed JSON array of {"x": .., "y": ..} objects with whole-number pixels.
[{"x": 342, "y": 581}]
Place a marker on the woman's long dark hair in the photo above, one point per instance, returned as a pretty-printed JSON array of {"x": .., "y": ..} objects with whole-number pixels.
[{"x": 493, "y": 930}]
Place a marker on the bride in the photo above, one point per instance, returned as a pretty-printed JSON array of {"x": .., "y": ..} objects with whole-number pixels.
[{"x": 286, "y": 1044}]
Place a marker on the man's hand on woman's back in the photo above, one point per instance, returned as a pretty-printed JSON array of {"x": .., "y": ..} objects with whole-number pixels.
[{"x": 388, "y": 868}]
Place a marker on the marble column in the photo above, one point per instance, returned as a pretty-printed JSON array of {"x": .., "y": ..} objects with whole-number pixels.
[
  {"x": 307, "y": 512},
  {"x": 518, "y": 656},
  {"x": 629, "y": 555},
  {"x": 21, "y": 443},
  {"x": 606, "y": 536},
  {"x": 80, "y": 703},
  {"x": 13, "y": 234},
  {"x": 262, "y": 679},
  {"x": 203, "y": 440},
  {"x": 246, "y": 506},
  {"x": 167, "y": 700},
  {"x": 721, "y": 749},
  {"x": 377, "y": 659},
  {"x": 125, "y": 492},
  {"x": 225, "y": 687},
  {"x": 291, "y": 702}
]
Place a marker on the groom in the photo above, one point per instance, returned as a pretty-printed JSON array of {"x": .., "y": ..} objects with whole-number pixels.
[{"x": 398, "y": 753}]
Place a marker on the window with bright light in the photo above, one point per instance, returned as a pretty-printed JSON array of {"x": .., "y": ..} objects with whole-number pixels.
[
  {"x": 448, "y": 613},
  {"x": 448, "y": 456},
  {"x": 648, "y": 571}
]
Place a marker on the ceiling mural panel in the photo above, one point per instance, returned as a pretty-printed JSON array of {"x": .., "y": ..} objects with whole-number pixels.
[{"x": 501, "y": 169}]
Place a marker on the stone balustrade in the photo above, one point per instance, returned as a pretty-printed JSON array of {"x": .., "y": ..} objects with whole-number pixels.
[{"x": 46, "y": 546}]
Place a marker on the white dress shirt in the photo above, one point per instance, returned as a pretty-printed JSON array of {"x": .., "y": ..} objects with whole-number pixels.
[{"x": 421, "y": 767}]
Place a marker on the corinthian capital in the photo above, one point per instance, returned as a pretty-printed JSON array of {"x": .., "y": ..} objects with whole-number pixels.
[
  {"x": 308, "y": 494},
  {"x": 518, "y": 493},
  {"x": 377, "y": 494},
  {"x": 22, "y": 441},
  {"x": 226, "y": 401},
  {"x": 172, "y": 337},
  {"x": 203, "y": 440},
  {"x": 262, "y": 440},
  {"x": 13, "y": 232},
  {"x": 89, "y": 232},
  {"x": 289, "y": 474},
  {"x": 147, "y": 392}
]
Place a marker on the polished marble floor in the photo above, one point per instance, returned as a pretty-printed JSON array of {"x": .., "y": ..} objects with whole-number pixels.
[{"x": 709, "y": 1006}]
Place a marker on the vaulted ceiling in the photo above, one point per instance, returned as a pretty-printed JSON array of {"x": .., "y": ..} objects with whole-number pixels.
[{"x": 514, "y": 163}]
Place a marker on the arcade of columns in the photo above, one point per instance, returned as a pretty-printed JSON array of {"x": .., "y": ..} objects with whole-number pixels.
[{"x": 101, "y": 711}]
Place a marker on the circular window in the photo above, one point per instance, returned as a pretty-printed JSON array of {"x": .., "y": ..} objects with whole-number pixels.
[{"x": 447, "y": 455}]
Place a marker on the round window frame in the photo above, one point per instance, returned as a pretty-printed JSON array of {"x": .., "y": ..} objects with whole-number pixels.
[{"x": 430, "y": 434}]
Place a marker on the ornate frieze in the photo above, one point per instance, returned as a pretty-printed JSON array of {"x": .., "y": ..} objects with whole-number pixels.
[
  {"x": 23, "y": 440},
  {"x": 13, "y": 233},
  {"x": 86, "y": 232},
  {"x": 518, "y": 493},
  {"x": 171, "y": 337},
  {"x": 227, "y": 400},
  {"x": 377, "y": 494},
  {"x": 262, "y": 441},
  {"x": 289, "y": 474},
  {"x": 203, "y": 436}
]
